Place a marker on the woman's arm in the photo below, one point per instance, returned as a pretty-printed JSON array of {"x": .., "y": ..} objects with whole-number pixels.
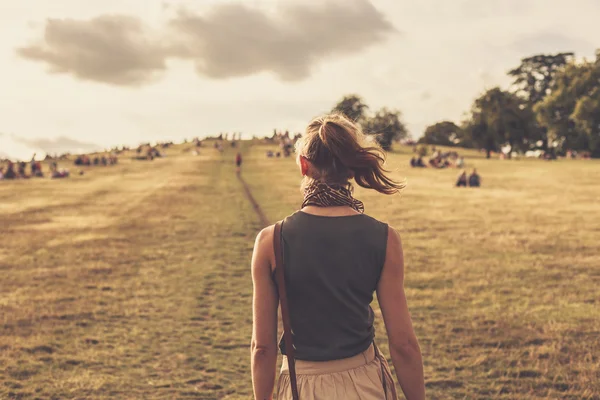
[
  {"x": 264, "y": 306},
  {"x": 404, "y": 347}
]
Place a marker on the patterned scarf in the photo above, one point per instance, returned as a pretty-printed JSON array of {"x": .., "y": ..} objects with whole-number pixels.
[{"x": 322, "y": 195}]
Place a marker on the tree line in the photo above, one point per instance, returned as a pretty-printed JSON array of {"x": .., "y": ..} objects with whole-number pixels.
[
  {"x": 553, "y": 104},
  {"x": 386, "y": 124}
]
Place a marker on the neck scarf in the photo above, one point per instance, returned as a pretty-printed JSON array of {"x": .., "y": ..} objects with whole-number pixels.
[{"x": 322, "y": 195}]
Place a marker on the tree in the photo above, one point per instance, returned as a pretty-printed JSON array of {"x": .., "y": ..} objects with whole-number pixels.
[
  {"x": 445, "y": 133},
  {"x": 353, "y": 107},
  {"x": 499, "y": 118},
  {"x": 572, "y": 111},
  {"x": 387, "y": 126},
  {"x": 587, "y": 119},
  {"x": 535, "y": 77}
]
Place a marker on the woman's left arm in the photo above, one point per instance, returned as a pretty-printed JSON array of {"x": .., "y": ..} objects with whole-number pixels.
[{"x": 264, "y": 306}]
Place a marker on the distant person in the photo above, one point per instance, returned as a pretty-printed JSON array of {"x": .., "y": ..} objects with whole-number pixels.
[
  {"x": 55, "y": 173},
  {"x": 413, "y": 162},
  {"x": 474, "y": 179},
  {"x": 62, "y": 173},
  {"x": 10, "y": 171},
  {"x": 420, "y": 162},
  {"x": 33, "y": 165},
  {"x": 38, "y": 170},
  {"x": 460, "y": 162},
  {"x": 238, "y": 162},
  {"x": 22, "y": 167},
  {"x": 462, "y": 179},
  {"x": 336, "y": 258}
]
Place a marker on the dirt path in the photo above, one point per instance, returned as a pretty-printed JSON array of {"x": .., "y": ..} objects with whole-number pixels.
[{"x": 261, "y": 215}]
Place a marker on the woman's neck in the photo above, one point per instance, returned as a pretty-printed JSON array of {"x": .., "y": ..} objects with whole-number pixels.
[{"x": 334, "y": 211}]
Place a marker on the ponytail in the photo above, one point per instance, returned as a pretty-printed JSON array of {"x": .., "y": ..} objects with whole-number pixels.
[{"x": 335, "y": 146}]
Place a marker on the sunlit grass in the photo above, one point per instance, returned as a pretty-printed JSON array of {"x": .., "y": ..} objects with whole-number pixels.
[
  {"x": 133, "y": 281},
  {"x": 502, "y": 281}
]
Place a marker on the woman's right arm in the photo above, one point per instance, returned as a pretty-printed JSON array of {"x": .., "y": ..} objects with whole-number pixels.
[{"x": 404, "y": 347}]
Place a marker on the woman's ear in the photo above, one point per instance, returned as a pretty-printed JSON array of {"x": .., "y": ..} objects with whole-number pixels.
[{"x": 303, "y": 166}]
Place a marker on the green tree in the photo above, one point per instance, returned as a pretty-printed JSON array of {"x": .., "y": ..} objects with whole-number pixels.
[
  {"x": 353, "y": 107},
  {"x": 388, "y": 127},
  {"x": 499, "y": 118},
  {"x": 587, "y": 119},
  {"x": 445, "y": 133},
  {"x": 534, "y": 79},
  {"x": 572, "y": 111}
]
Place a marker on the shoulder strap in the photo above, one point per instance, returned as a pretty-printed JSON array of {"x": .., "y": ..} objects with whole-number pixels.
[{"x": 285, "y": 314}]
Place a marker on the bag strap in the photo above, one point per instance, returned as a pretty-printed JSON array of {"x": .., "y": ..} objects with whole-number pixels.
[
  {"x": 285, "y": 314},
  {"x": 383, "y": 374}
]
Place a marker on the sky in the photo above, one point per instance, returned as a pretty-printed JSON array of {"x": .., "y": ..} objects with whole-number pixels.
[{"x": 79, "y": 75}]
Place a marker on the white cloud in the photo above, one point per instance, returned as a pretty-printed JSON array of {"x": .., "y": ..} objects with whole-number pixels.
[
  {"x": 114, "y": 49},
  {"x": 231, "y": 40}
]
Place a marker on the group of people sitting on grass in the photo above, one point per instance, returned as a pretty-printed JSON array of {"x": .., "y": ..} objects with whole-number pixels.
[
  {"x": 147, "y": 152},
  {"x": 273, "y": 154},
  {"x": 439, "y": 160},
  {"x": 85, "y": 160},
  {"x": 473, "y": 180},
  {"x": 9, "y": 172},
  {"x": 21, "y": 172}
]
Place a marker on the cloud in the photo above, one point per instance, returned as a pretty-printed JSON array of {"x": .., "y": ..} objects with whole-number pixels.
[
  {"x": 231, "y": 40},
  {"x": 113, "y": 49},
  {"x": 235, "y": 40},
  {"x": 60, "y": 145}
]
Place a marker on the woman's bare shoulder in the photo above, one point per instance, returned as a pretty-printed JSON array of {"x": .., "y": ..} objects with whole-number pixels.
[
  {"x": 264, "y": 254},
  {"x": 265, "y": 234}
]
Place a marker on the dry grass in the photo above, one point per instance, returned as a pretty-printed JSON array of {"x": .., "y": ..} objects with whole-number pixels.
[
  {"x": 132, "y": 281},
  {"x": 502, "y": 281}
]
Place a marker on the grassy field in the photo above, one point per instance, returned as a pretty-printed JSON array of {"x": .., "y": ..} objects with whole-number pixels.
[{"x": 132, "y": 281}]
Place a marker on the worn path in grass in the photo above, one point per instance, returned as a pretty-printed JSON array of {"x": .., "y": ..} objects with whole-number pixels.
[
  {"x": 130, "y": 282},
  {"x": 502, "y": 281}
]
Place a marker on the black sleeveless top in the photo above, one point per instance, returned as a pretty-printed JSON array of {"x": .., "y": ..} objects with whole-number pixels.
[{"x": 332, "y": 267}]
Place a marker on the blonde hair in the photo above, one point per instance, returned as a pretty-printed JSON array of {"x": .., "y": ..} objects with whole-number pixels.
[{"x": 339, "y": 151}]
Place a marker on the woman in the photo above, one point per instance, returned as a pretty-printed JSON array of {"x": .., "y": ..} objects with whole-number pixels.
[
  {"x": 462, "y": 179},
  {"x": 335, "y": 258}
]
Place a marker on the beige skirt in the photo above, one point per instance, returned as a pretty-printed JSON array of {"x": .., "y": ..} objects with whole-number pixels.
[{"x": 365, "y": 376}]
